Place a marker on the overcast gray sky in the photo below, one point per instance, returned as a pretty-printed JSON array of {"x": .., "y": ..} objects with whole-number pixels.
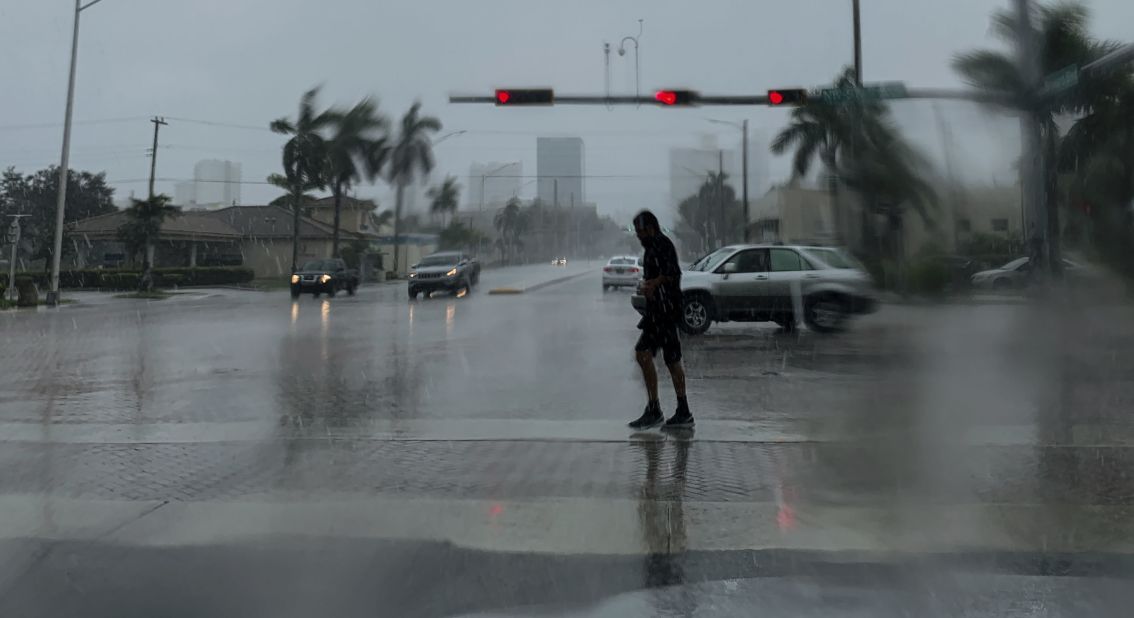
[{"x": 245, "y": 62}]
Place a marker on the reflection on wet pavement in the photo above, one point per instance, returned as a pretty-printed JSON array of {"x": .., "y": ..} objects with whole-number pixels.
[{"x": 493, "y": 425}]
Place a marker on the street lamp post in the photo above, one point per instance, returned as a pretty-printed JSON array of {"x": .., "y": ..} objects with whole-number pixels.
[
  {"x": 637, "y": 70},
  {"x": 57, "y": 247},
  {"x": 743, "y": 126},
  {"x": 486, "y": 176}
]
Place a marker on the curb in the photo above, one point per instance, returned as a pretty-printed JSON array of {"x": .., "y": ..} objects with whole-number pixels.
[{"x": 532, "y": 288}]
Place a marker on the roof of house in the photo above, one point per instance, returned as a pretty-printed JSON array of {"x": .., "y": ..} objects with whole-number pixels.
[
  {"x": 271, "y": 222},
  {"x": 231, "y": 223},
  {"x": 348, "y": 203},
  {"x": 189, "y": 225}
]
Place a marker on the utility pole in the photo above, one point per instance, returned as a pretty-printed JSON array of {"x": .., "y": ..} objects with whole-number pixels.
[
  {"x": 158, "y": 122},
  {"x": 61, "y": 202},
  {"x": 744, "y": 158},
  {"x": 857, "y": 45},
  {"x": 720, "y": 198},
  {"x": 555, "y": 206},
  {"x": 1031, "y": 162}
]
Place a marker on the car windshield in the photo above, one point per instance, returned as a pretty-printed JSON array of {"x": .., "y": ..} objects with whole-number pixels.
[
  {"x": 623, "y": 261},
  {"x": 1014, "y": 264},
  {"x": 834, "y": 258},
  {"x": 320, "y": 265},
  {"x": 438, "y": 260},
  {"x": 712, "y": 260}
]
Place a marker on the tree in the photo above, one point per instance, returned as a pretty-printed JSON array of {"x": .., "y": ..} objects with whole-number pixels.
[
  {"x": 356, "y": 147},
  {"x": 286, "y": 199},
  {"x": 304, "y": 158},
  {"x": 712, "y": 217},
  {"x": 35, "y": 194},
  {"x": 142, "y": 227},
  {"x": 858, "y": 144},
  {"x": 412, "y": 153},
  {"x": 1061, "y": 30},
  {"x": 445, "y": 197},
  {"x": 511, "y": 221},
  {"x": 459, "y": 237}
]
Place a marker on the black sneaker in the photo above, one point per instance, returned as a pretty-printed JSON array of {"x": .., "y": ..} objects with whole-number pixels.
[
  {"x": 651, "y": 417},
  {"x": 681, "y": 419}
]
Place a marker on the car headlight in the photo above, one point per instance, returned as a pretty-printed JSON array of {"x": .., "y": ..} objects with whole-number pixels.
[
  {"x": 412, "y": 275},
  {"x": 324, "y": 278},
  {"x": 452, "y": 272},
  {"x": 295, "y": 278}
]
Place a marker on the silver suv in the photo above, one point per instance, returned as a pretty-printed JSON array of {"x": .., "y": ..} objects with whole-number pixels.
[{"x": 769, "y": 283}]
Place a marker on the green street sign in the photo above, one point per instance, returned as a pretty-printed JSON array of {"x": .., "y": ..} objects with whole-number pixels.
[
  {"x": 872, "y": 92},
  {"x": 1059, "y": 81}
]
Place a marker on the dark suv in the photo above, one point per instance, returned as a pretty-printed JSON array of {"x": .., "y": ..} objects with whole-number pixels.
[{"x": 324, "y": 277}]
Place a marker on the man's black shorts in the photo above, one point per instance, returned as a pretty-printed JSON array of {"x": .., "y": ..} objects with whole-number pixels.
[{"x": 660, "y": 334}]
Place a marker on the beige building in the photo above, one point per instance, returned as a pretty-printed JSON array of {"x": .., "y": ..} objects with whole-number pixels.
[{"x": 794, "y": 214}]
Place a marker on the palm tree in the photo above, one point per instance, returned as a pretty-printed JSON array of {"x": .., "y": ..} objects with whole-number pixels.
[
  {"x": 445, "y": 198},
  {"x": 412, "y": 153},
  {"x": 511, "y": 221},
  {"x": 279, "y": 180},
  {"x": 356, "y": 147},
  {"x": 304, "y": 158},
  {"x": 1063, "y": 41},
  {"x": 143, "y": 225},
  {"x": 858, "y": 143}
]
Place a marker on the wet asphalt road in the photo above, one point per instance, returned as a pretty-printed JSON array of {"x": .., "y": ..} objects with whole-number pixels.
[{"x": 236, "y": 453}]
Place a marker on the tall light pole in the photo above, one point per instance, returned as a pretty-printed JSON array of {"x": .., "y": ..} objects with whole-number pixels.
[
  {"x": 743, "y": 126},
  {"x": 1031, "y": 163},
  {"x": 857, "y": 44},
  {"x": 57, "y": 250},
  {"x": 637, "y": 70},
  {"x": 448, "y": 135},
  {"x": 486, "y": 176}
]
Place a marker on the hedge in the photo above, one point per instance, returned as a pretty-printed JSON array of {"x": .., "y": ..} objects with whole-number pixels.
[{"x": 117, "y": 279}]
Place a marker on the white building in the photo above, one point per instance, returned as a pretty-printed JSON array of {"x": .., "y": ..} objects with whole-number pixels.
[
  {"x": 500, "y": 181},
  {"x": 215, "y": 184},
  {"x": 689, "y": 167},
  {"x": 560, "y": 165}
]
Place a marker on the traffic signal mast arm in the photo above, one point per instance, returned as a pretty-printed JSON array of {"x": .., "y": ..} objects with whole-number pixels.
[{"x": 813, "y": 95}]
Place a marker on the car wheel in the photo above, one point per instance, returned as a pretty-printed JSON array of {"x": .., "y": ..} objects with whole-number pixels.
[
  {"x": 1001, "y": 285},
  {"x": 605, "y": 287},
  {"x": 412, "y": 294},
  {"x": 315, "y": 294},
  {"x": 825, "y": 314},
  {"x": 331, "y": 292},
  {"x": 295, "y": 292},
  {"x": 696, "y": 314}
]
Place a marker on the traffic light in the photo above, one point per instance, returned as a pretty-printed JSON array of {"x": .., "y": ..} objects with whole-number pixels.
[
  {"x": 795, "y": 96},
  {"x": 537, "y": 96},
  {"x": 676, "y": 97}
]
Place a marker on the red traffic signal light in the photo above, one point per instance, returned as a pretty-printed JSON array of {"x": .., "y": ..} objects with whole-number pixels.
[
  {"x": 676, "y": 97},
  {"x": 794, "y": 96},
  {"x": 537, "y": 96}
]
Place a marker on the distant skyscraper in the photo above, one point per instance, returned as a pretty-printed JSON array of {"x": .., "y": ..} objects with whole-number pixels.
[
  {"x": 560, "y": 166},
  {"x": 216, "y": 184},
  {"x": 185, "y": 193},
  {"x": 501, "y": 181}
]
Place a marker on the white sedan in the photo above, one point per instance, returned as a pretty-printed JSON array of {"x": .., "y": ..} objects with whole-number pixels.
[{"x": 622, "y": 271}]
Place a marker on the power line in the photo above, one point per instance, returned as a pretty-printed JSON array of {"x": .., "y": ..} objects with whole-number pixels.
[{"x": 227, "y": 125}]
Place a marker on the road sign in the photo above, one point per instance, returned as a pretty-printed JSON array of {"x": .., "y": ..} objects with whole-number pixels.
[
  {"x": 1059, "y": 81},
  {"x": 871, "y": 92}
]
